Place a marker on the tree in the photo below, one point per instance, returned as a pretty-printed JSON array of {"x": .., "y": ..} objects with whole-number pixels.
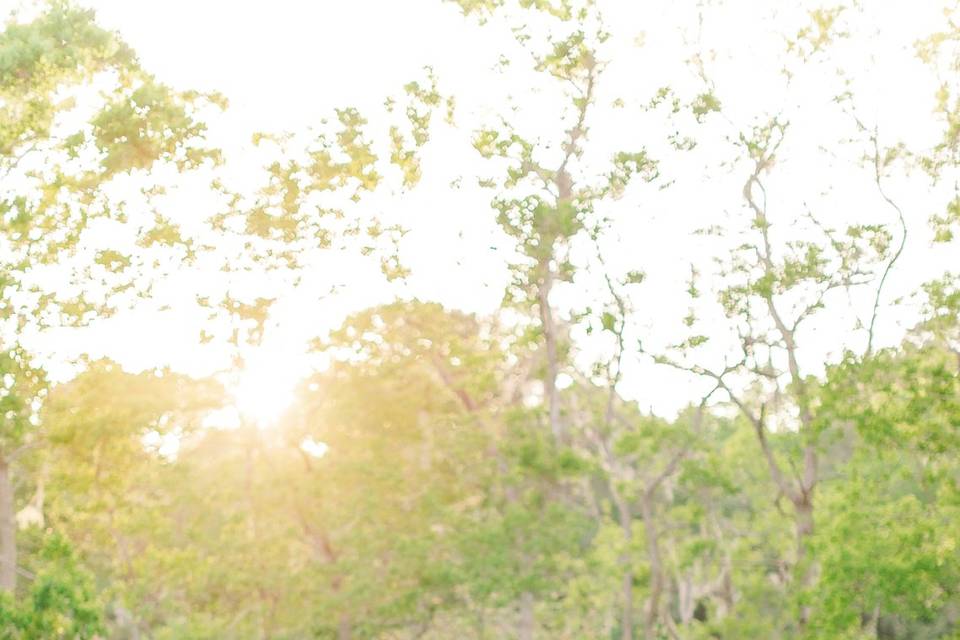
[
  {"x": 776, "y": 286},
  {"x": 60, "y": 147},
  {"x": 547, "y": 204},
  {"x": 60, "y": 602},
  {"x": 446, "y": 474}
]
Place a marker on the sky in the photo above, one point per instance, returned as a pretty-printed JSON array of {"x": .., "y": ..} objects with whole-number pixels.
[{"x": 286, "y": 64}]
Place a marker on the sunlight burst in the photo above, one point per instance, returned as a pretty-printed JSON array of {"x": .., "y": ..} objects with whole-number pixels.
[{"x": 265, "y": 389}]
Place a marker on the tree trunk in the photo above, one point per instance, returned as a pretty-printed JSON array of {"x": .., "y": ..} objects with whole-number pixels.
[
  {"x": 550, "y": 337},
  {"x": 344, "y": 628},
  {"x": 527, "y": 620},
  {"x": 656, "y": 566},
  {"x": 873, "y": 623},
  {"x": 803, "y": 514},
  {"x": 481, "y": 624},
  {"x": 8, "y": 531},
  {"x": 686, "y": 602},
  {"x": 626, "y": 566}
]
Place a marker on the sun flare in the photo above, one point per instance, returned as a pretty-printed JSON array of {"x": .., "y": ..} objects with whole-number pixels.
[
  {"x": 446, "y": 319},
  {"x": 264, "y": 389}
]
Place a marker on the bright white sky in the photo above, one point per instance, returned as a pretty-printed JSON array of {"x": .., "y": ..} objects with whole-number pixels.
[{"x": 285, "y": 64}]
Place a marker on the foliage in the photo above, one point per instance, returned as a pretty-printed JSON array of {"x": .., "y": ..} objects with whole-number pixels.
[{"x": 447, "y": 474}]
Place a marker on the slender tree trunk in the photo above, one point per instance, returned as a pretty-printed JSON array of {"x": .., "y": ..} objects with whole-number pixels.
[
  {"x": 8, "y": 531},
  {"x": 481, "y": 624},
  {"x": 803, "y": 514},
  {"x": 550, "y": 338},
  {"x": 344, "y": 628},
  {"x": 803, "y": 573},
  {"x": 656, "y": 566},
  {"x": 686, "y": 601},
  {"x": 626, "y": 566},
  {"x": 527, "y": 614},
  {"x": 873, "y": 623},
  {"x": 527, "y": 618},
  {"x": 727, "y": 598}
]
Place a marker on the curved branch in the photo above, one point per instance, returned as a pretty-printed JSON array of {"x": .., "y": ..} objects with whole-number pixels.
[{"x": 903, "y": 240}]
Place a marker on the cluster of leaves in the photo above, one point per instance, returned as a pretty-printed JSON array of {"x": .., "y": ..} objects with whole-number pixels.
[{"x": 453, "y": 475}]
